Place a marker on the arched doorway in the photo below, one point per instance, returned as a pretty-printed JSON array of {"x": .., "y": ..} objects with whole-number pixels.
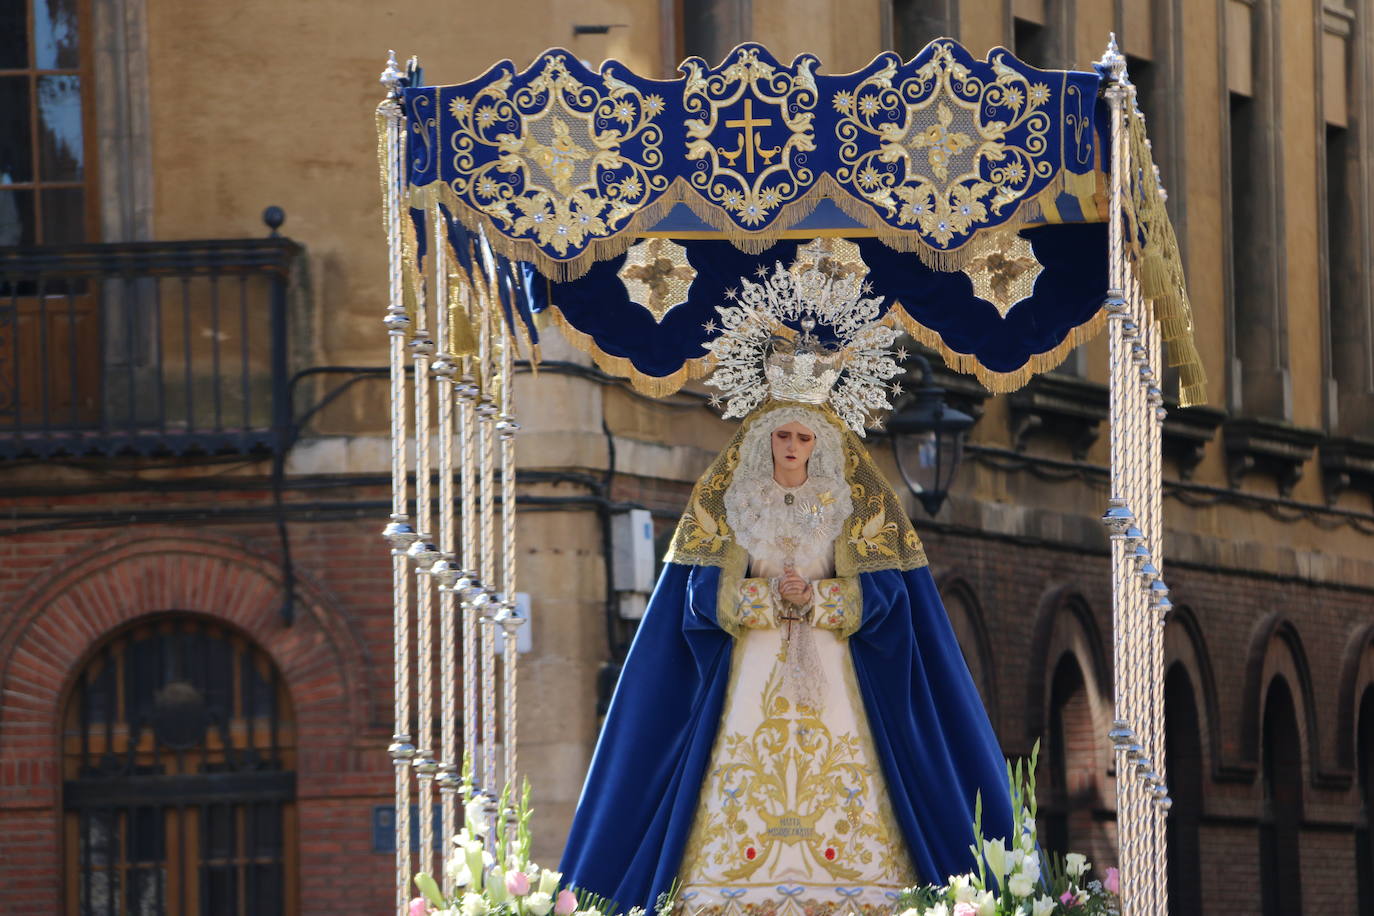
[
  {"x": 1069, "y": 795},
  {"x": 1281, "y": 814},
  {"x": 1364, "y": 768},
  {"x": 179, "y": 776},
  {"x": 1183, "y": 763}
]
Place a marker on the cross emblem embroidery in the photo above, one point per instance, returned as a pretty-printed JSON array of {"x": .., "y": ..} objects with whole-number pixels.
[{"x": 748, "y": 143}]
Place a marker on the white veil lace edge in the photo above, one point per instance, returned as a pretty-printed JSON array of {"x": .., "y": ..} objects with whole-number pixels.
[{"x": 824, "y": 470}]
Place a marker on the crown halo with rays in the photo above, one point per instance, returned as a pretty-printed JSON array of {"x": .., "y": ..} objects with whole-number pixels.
[{"x": 768, "y": 345}]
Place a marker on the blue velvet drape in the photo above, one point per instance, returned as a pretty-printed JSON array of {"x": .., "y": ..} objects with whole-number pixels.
[{"x": 930, "y": 731}]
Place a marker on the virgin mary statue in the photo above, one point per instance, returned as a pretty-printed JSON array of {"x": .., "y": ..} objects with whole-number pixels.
[{"x": 795, "y": 731}]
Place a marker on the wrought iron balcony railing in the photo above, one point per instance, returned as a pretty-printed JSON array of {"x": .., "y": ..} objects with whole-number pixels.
[{"x": 144, "y": 348}]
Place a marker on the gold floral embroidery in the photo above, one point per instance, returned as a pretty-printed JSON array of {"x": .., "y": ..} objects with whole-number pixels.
[
  {"x": 944, "y": 162},
  {"x": 657, "y": 275},
  {"x": 1003, "y": 269},
  {"x": 793, "y": 783},
  {"x": 839, "y": 605},
  {"x": 754, "y": 608},
  {"x": 563, "y": 175}
]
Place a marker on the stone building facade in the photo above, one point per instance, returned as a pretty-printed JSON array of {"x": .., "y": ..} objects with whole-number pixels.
[{"x": 134, "y": 563}]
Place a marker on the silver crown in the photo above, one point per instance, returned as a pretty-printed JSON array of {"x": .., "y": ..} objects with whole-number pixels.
[
  {"x": 803, "y": 369},
  {"x": 759, "y": 353}
]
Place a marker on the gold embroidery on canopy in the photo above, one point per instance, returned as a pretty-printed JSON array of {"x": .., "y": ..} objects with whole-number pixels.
[
  {"x": 657, "y": 276},
  {"x": 757, "y": 186},
  {"x": 944, "y": 164},
  {"x": 1003, "y": 269},
  {"x": 557, "y": 137},
  {"x": 834, "y": 257}
]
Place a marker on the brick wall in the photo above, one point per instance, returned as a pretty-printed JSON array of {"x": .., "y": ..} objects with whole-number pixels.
[{"x": 63, "y": 591}]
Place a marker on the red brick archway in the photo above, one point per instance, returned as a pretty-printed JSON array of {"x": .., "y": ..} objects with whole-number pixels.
[{"x": 63, "y": 615}]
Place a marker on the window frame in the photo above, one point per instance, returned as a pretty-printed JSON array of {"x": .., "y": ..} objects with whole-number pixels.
[{"x": 88, "y": 184}]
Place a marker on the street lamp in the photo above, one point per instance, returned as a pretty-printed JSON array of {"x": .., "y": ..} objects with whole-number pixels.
[{"x": 928, "y": 440}]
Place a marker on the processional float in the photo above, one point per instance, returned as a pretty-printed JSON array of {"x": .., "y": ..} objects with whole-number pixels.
[{"x": 1004, "y": 214}]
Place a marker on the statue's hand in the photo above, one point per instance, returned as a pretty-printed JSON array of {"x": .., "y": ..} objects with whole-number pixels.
[{"x": 795, "y": 589}]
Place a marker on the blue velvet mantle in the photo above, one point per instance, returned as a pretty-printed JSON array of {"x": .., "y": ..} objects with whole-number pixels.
[{"x": 930, "y": 731}]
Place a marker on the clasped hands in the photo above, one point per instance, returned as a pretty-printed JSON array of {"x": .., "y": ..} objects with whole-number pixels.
[{"x": 794, "y": 589}]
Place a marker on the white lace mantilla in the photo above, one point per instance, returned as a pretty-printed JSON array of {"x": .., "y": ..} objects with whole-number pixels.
[{"x": 789, "y": 526}]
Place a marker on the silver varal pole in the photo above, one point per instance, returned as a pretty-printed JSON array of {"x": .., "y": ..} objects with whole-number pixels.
[
  {"x": 398, "y": 531},
  {"x": 1119, "y": 518},
  {"x": 486, "y": 417},
  {"x": 424, "y": 552},
  {"x": 509, "y": 616},
  {"x": 446, "y": 570}
]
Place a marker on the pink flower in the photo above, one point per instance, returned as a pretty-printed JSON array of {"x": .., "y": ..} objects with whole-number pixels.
[
  {"x": 566, "y": 903},
  {"x": 418, "y": 907},
  {"x": 1113, "y": 881},
  {"x": 965, "y": 909},
  {"x": 518, "y": 883},
  {"x": 1069, "y": 898}
]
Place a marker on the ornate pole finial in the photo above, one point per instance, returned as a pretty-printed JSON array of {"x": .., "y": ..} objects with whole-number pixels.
[
  {"x": 1113, "y": 62},
  {"x": 391, "y": 76}
]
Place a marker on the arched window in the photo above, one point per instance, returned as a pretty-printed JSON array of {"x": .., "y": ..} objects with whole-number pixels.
[
  {"x": 1364, "y": 763},
  {"x": 1183, "y": 763},
  {"x": 1281, "y": 815},
  {"x": 1069, "y": 752},
  {"x": 178, "y": 760}
]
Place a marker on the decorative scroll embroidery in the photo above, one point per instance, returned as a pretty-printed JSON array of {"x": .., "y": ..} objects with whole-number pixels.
[
  {"x": 657, "y": 275},
  {"x": 753, "y": 119},
  {"x": 793, "y": 782},
  {"x": 838, "y": 605},
  {"x": 756, "y": 608},
  {"x": 945, "y": 147},
  {"x": 1003, "y": 268},
  {"x": 555, "y": 159},
  {"x": 562, "y": 165}
]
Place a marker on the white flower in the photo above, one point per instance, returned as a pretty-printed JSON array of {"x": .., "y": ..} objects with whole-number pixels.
[
  {"x": 1020, "y": 885},
  {"x": 496, "y": 886},
  {"x": 996, "y": 854},
  {"x": 475, "y": 814},
  {"x": 987, "y": 904},
  {"x": 938, "y": 909},
  {"x": 1043, "y": 906},
  {"x": 1030, "y": 866},
  {"x": 910, "y": 912},
  {"x": 539, "y": 903},
  {"x": 458, "y": 872},
  {"x": 962, "y": 888},
  {"x": 548, "y": 882},
  {"x": 1075, "y": 863},
  {"x": 474, "y": 905}
]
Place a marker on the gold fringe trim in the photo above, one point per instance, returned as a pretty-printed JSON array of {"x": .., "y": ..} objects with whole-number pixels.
[
  {"x": 655, "y": 386},
  {"x": 1154, "y": 253},
  {"x": 680, "y": 191},
  {"x": 991, "y": 379}
]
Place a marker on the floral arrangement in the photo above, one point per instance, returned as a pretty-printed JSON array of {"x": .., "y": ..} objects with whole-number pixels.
[
  {"x": 1014, "y": 877},
  {"x": 515, "y": 886}
]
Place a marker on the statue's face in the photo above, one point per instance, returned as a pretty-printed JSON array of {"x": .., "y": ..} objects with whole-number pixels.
[{"x": 792, "y": 446}]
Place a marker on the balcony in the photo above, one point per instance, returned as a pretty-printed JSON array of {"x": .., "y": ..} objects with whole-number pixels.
[{"x": 144, "y": 348}]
